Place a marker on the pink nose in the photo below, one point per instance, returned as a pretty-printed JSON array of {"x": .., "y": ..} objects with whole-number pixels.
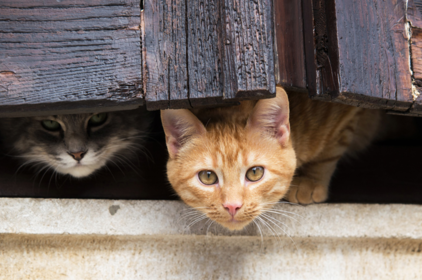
[
  {"x": 232, "y": 207},
  {"x": 77, "y": 156}
]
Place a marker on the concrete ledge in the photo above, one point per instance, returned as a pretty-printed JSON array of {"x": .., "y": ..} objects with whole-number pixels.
[
  {"x": 198, "y": 257},
  {"x": 104, "y": 239},
  {"x": 134, "y": 218}
]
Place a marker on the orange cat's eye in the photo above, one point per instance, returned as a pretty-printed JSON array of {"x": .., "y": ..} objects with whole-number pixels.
[
  {"x": 255, "y": 173},
  {"x": 208, "y": 177}
]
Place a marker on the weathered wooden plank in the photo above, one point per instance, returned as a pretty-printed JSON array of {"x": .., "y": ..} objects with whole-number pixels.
[
  {"x": 209, "y": 51},
  {"x": 248, "y": 49},
  {"x": 414, "y": 13},
  {"x": 72, "y": 17},
  {"x": 24, "y": 4},
  {"x": 326, "y": 52},
  {"x": 290, "y": 54},
  {"x": 166, "y": 77},
  {"x": 362, "y": 53},
  {"x": 374, "y": 34},
  {"x": 55, "y": 52},
  {"x": 309, "y": 48},
  {"x": 417, "y": 53},
  {"x": 414, "y": 18},
  {"x": 204, "y": 52}
]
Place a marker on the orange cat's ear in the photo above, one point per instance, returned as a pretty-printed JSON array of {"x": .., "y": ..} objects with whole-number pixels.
[
  {"x": 179, "y": 126},
  {"x": 272, "y": 116}
]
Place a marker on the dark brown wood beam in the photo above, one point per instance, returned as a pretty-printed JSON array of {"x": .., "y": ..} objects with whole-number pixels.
[
  {"x": 290, "y": 54},
  {"x": 69, "y": 52},
  {"x": 204, "y": 52},
  {"x": 414, "y": 19},
  {"x": 361, "y": 52},
  {"x": 207, "y": 52},
  {"x": 164, "y": 48},
  {"x": 248, "y": 36},
  {"x": 192, "y": 53}
]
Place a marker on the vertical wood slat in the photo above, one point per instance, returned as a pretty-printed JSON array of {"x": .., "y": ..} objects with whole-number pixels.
[
  {"x": 309, "y": 44},
  {"x": 229, "y": 52},
  {"x": 361, "y": 53},
  {"x": 290, "y": 55},
  {"x": 417, "y": 54},
  {"x": 165, "y": 72},
  {"x": 326, "y": 48},
  {"x": 204, "y": 56},
  {"x": 380, "y": 48},
  {"x": 248, "y": 49},
  {"x": 69, "y": 54},
  {"x": 414, "y": 19}
]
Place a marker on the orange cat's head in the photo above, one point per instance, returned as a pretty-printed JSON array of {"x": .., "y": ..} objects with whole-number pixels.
[{"x": 232, "y": 172}]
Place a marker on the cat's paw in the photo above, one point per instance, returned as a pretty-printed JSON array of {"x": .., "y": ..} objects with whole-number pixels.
[{"x": 306, "y": 191}]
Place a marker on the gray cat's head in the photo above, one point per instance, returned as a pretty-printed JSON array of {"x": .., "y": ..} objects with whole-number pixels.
[{"x": 76, "y": 144}]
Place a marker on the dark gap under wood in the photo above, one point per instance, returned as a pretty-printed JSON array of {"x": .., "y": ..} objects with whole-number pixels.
[{"x": 388, "y": 172}]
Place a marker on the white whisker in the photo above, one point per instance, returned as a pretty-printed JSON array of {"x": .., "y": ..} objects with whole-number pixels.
[
  {"x": 272, "y": 220},
  {"x": 262, "y": 238}
]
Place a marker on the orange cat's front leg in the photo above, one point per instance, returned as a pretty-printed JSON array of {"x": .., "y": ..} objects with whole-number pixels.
[{"x": 311, "y": 183}]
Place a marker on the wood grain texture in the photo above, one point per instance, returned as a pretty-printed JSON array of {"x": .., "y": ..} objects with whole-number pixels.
[
  {"x": 414, "y": 13},
  {"x": 248, "y": 49},
  {"x": 290, "y": 59},
  {"x": 207, "y": 52},
  {"x": 309, "y": 48},
  {"x": 69, "y": 51},
  {"x": 417, "y": 53},
  {"x": 361, "y": 53},
  {"x": 414, "y": 18},
  {"x": 205, "y": 44},
  {"x": 326, "y": 48},
  {"x": 165, "y": 68},
  {"x": 374, "y": 49}
]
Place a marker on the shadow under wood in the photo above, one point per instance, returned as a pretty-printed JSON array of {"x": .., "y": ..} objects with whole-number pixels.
[
  {"x": 389, "y": 172},
  {"x": 144, "y": 179},
  {"x": 385, "y": 173}
]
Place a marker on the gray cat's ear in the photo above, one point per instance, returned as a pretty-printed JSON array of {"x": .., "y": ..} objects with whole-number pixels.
[
  {"x": 272, "y": 116},
  {"x": 179, "y": 126}
]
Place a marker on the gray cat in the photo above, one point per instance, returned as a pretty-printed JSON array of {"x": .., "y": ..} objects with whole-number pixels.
[{"x": 77, "y": 144}]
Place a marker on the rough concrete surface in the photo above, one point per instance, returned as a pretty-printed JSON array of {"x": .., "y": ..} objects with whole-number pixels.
[{"x": 105, "y": 239}]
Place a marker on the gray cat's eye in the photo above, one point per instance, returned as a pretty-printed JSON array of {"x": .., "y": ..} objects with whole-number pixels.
[
  {"x": 98, "y": 119},
  {"x": 208, "y": 177},
  {"x": 255, "y": 173},
  {"x": 50, "y": 125}
]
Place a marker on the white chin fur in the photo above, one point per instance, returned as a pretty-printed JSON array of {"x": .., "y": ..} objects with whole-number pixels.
[{"x": 78, "y": 171}]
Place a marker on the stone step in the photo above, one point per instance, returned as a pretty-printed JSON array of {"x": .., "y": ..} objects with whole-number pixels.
[{"x": 124, "y": 239}]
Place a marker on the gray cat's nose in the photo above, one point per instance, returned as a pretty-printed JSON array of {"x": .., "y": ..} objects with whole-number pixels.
[{"x": 77, "y": 156}]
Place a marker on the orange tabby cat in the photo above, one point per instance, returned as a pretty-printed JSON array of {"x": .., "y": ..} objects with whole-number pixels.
[{"x": 234, "y": 163}]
